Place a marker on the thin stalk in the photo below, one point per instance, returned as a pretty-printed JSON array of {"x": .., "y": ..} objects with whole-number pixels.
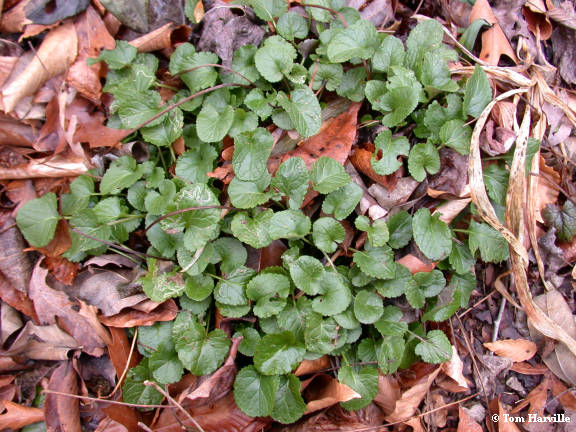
[{"x": 185, "y": 210}]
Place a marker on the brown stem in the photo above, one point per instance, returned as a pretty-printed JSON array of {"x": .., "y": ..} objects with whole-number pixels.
[
  {"x": 229, "y": 69},
  {"x": 338, "y": 14},
  {"x": 177, "y": 212},
  {"x": 112, "y": 402}
]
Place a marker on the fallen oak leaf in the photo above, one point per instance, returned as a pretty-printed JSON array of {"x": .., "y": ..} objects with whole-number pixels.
[
  {"x": 55, "y": 55},
  {"x": 17, "y": 416},
  {"x": 494, "y": 41},
  {"x": 515, "y": 349}
]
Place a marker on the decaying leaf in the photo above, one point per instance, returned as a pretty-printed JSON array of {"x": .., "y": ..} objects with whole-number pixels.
[
  {"x": 163, "y": 37},
  {"x": 323, "y": 391},
  {"x": 17, "y": 416},
  {"x": 453, "y": 369},
  {"x": 134, "y": 317},
  {"x": 64, "y": 412},
  {"x": 494, "y": 41},
  {"x": 57, "y": 52},
  {"x": 515, "y": 349},
  {"x": 312, "y": 366},
  {"x": 467, "y": 423},
  {"x": 42, "y": 343},
  {"x": 535, "y": 12},
  {"x": 536, "y": 399}
]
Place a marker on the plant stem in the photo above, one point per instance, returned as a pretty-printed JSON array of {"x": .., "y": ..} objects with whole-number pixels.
[
  {"x": 332, "y": 11},
  {"x": 185, "y": 210}
]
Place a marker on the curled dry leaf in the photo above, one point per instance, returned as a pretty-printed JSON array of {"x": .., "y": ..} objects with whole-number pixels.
[
  {"x": 516, "y": 349},
  {"x": 308, "y": 367},
  {"x": 494, "y": 41},
  {"x": 367, "y": 203},
  {"x": 561, "y": 361},
  {"x": 166, "y": 311},
  {"x": 119, "y": 351},
  {"x": 408, "y": 403},
  {"x": 164, "y": 37},
  {"x": 55, "y": 55},
  {"x": 17, "y": 416},
  {"x": 535, "y": 12},
  {"x": 64, "y": 412},
  {"x": 467, "y": 423},
  {"x": 361, "y": 158},
  {"x": 399, "y": 195},
  {"x": 453, "y": 369},
  {"x": 388, "y": 393},
  {"x": 528, "y": 369},
  {"x": 57, "y": 166},
  {"x": 42, "y": 343},
  {"x": 323, "y": 391}
]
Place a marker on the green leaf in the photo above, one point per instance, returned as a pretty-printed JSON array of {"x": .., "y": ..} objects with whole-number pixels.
[
  {"x": 320, "y": 334},
  {"x": 38, "y": 218},
  {"x": 465, "y": 284},
  {"x": 78, "y": 199},
  {"x": 194, "y": 164},
  {"x": 269, "y": 291},
  {"x": 493, "y": 247},
  {"x": 435, "y": 76},
  {"x": 260, "y": 104},
  {"x": 252, "y": 231},
  {"x": 363, "y": 382},
  {"x": 255, "y": 393},
  {"x": 496, "y": 181},
  {"x": 461, "y": 259},
  {"x": 199, "y": 287},
  {"x": 243, "y": 122},
  {"x": 343, "y": 201},
  {"x": 232, "y": 290},
  {"x": 335, "y": 295},
  {"x": 250, "y": 340},
  {"x": 327, "y": 175},
  {"x": 400, "y": 228},
  {"x": 327, "y": 233},
  {"x": 251, "y": 152},
  {"x": 320, "y": 15},
  {"x": 563, "y": 220},
  {"x": 303, "y": 109},
  {"x": 389, "y": 353},
  {"x": 289, "y": 405},
  {"x": 377, "y": 262},
  {"x": 357, "y": 40},
  {"x": 156, "y": 202},
  {"x": 151, "y": 337},
  {"x": 391, "y": 324},
  {"x": 161, "y": 287},
  {"x": 193, "y": 264},
  {"x": 423, "y": 158},
  {"x": 468, "y": 38},
  {"x": 86, "y": 222},
  {"x": 275, "y": 58},
  {"x": 249, "y": 194},
  {"x": 352, "y": 85},
  {"x": 328, "y": 73},
  {"x": 444, "y": 309},
  {"x": 290, "y": 224},
  {"x": 389, "y": 53},
  {"x": 308, "y": 274},
  {"x": 433, "y": 237},
  {"x": 185, "y": 58},
  {"x": 431, "y": 283},
  {"x": 292, "y": 26},
  {"x": 477, "y": 94},
  {"x": 456, "y": 134},
  {"x": 121, "y": 174},
  {"x": 243, "y": 63},
  {"x": 278, "y": 354},
  {"x": 291, "y": 180},
  {"x": 165, "y": 365},
  {"x": 425, "y": 37},
  {"x": 267, "y": 10},
  {"x": 134, "y": 391},
  {"x": 395, "y": 287},
  {"x": 200, "y": 352},
  {"x": 213, "y": 124},
  {"x": 230, "y": 253},
  {"x": 368, "y": 307},
  {"x": 123, "y": 55},
  {"x": 435, "y": 348},
  {"x": 139, "y": 108},
  {"x": 399, "y": 102},
  {"x": 391, "y": 149}
]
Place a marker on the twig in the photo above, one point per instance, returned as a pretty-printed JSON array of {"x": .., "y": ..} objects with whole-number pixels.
[
  {"x": 175, "y": 403},
  {"x": 177, "y": 212},
  {"x": 119, "y": 383},
  {"x": 112, "y": 402},
  {"x": 229, "y": 69},
  {"x": 479, "y": 302},
  {"x": 498, "y": 320},
  {"x": 143, "y": 426},
  {"x": 338, "y": 14},
  {"x": 115, "y": 246}
]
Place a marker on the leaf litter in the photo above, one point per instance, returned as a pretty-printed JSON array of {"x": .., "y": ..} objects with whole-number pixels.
[{"x": 55, "y": 297}]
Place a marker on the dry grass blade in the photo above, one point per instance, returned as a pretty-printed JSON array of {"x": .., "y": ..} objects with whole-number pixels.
[{"x": 477, "y": 187}]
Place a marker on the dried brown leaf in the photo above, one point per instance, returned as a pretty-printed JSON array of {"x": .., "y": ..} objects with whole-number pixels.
[
  {"x": 15, "y": 264},
  {"x": 564, "y": 395},
  {"x": 164, "y": 37},
  {"x": 453, "y": 369},
  {"x": 324, "y": 391},
  {"x": 55, "y": 55},
  {"x": 515, "y": 349},
  {"x": 64, "y": 412},
  {"x": 528, "y": 369},
  {"x": 42, "y": 343},
  {"x": 388, "y": 393},
  {"x": 17, "y": 416},
  {"x": 467, "y": 423},
  {"x": 51, "y": 304},
  {"x": 308, "y": 367},
  {"x": 166, "y": 311},
  {"x": 408, "y": 403},
  {"x": 494, "y": 41},
  {"x": 536, "y": 399},
  {"x": 535, "y": 12},
  {"x": 399, "y": 195}
]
